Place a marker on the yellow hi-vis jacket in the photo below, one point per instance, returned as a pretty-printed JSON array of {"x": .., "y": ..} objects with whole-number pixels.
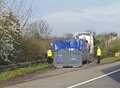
[
  {"x": 49, "y": 53},
  {"x": 99, "y": 53}
]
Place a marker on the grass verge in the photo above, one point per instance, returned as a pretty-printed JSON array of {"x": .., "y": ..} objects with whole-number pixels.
[
  {"x": 21, "y": 71},
  {"x": 109, "y": 60}
]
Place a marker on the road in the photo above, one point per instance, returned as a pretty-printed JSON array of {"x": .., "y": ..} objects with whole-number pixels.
[{"x": 102, "y": 76}]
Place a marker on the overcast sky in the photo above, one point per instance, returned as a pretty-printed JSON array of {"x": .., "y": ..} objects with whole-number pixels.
[{"x": 72, "y": 16}]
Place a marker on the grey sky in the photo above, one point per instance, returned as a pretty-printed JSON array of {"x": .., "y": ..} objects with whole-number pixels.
[{"x": 78, "y": 15}]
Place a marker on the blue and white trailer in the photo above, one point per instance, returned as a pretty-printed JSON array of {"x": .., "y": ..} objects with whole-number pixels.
[{"x": 68, "y": 52}]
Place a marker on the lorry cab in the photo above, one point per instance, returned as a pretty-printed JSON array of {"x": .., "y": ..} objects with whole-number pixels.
[{"x": 89, "y": 36}]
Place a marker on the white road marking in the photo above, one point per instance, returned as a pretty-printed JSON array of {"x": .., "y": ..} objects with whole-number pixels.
[{"x": 85, "y": 82}]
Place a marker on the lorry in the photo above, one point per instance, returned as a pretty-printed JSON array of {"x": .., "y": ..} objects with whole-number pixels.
[{"x": 72, "y": 52}]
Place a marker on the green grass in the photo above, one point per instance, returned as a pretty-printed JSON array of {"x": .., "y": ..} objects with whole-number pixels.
[
  {"x": 109, "y": 60},
  {"x": 21, "y": 71}
]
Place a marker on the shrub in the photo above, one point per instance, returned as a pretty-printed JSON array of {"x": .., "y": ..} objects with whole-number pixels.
[
  {"x": 114, "y": 47},
  {"x": 32, "y": 49}
]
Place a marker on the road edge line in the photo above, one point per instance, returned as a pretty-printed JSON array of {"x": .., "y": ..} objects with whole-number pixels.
[{"x": 85, "y": 82}]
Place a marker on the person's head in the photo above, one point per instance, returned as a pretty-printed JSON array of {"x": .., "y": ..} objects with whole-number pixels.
[
  {"x": 86, "y": 41},
  {"x": 98, "y": 47}
]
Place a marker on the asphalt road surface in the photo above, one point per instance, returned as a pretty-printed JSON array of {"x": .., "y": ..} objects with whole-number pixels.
[{"x": 102, "y": 76}]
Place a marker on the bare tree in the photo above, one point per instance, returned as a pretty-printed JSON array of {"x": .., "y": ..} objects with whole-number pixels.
[
  {"x": 40, "y": 28},
  {"x": 2, "y": 5},
  {"x": 44, "y": 29},
  {"x": 22, "y": 10}
]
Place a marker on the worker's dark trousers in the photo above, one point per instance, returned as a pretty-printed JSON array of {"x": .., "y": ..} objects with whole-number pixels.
[
  {"x": 98, "y": 59},
  {"x": 50, "y": 60}
]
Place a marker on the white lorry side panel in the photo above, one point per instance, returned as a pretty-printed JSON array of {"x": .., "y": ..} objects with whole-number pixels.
[{"x": 89, "y": 37}]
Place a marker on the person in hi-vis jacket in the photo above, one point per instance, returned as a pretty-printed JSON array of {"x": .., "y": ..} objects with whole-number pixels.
[
  {"x": 99, "y": 54},
  {"x": 49, "y": 56}
]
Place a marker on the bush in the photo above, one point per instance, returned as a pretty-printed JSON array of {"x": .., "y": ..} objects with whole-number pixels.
[
  {"x": 114, "y": 47},
  {"x": 9, "y": 32},
  {"x": 32, "y": 49}
]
